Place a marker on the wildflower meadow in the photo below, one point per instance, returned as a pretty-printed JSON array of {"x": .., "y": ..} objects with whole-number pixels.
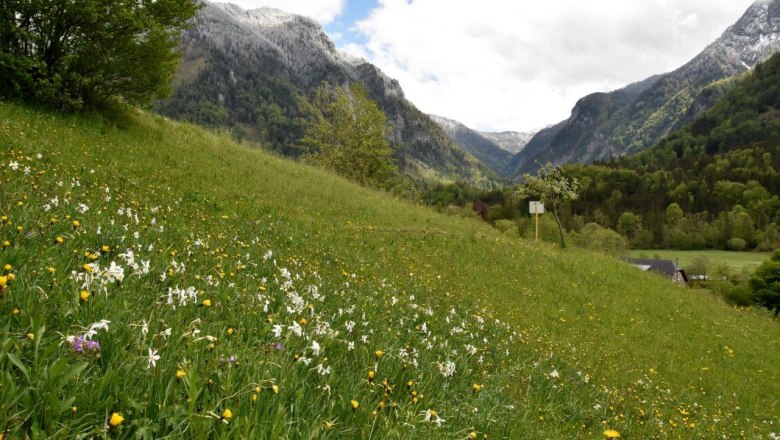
[{"x": 160, "y": 281}]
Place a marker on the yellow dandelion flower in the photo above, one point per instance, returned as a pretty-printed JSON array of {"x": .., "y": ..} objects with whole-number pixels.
[
  {"x": 84, "y": 295},
  {"x": 476, "y": 387},
  {"x": 11, "y": 277},
  {"x": 31, "y": 336},
  {"x": 378, "y": 354},
  {"x": 230, "y": 331},
  {"x": 180, "y": 374},
  {"x": 206, "y": 303},
  {"x": 254, "y": 397},
  {"x": 116, "y": 419},
  {"x": 76, "y": 224},
  {"x": 371, "y": 375},
  {"x": 87, "y": 268},
  {"x": 3, "y": 281},
  {"x": 275, "y": 389},
  {"x": 15, "y": 312},
  {"x": 611, "y": 433},
  {"x": 105, "y": 248},
  {"x": 472, "y": 435},
  {"x": 354, "y": 404},
  {"x": 6, "y": 243},
  {"x": 227, "y": 414},
  {"x": 7, "y": 267}
]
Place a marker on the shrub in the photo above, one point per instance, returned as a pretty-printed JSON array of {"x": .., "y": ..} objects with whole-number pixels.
[{"x": 736, "y": 244}]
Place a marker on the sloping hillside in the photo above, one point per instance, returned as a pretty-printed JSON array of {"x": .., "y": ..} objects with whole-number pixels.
[{"x": 170, "y": 282}]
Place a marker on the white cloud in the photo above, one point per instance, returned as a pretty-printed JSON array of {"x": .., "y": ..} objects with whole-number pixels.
[
  {"x": 323, "y": 11},
  {"x": 521, "y": 65}
]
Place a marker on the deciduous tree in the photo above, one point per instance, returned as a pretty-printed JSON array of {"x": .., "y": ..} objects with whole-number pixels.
[
  {"x": 349, "y": 136},
  {"x": 77, "y": 54}
]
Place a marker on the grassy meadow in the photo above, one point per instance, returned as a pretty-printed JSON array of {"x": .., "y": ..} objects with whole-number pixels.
[{"x": 163, "y": 281}]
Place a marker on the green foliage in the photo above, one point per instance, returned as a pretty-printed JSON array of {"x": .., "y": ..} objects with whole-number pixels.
[
  {"x": 765, "y": 283},
  {"x": 80, "y": 54},
  {"x": 349, "y": 136},
  {"x": 594, "y": 237}
]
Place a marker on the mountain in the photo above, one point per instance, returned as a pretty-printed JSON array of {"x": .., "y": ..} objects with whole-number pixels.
[
  {"x": 255, "y": 73},
  {"x": 631, "y": 119},
  {"x": 511, "y": 141},
  {"x": 720, "y": 170},
  {"x": 485, "y": 149}
]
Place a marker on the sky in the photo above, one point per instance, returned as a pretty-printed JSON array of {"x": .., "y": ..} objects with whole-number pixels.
[{"x": 517, "y": 65}]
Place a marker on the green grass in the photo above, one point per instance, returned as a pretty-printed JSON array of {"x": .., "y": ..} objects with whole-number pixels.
[
  {"x": 737, "y": 261},
  {"x": 560, "y": 344}
]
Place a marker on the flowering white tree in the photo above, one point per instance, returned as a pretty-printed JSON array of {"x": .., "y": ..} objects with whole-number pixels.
[{"x": 553, "y": 188}]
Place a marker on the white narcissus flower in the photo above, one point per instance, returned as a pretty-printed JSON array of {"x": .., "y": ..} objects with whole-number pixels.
[
  {"x": 315, "y": 348},
  {"x": 153, "y": 358}
]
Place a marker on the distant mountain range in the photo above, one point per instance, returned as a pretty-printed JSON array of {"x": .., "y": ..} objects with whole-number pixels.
[
  {"x": 629, "y": 120},
  {"x": 495, "y": 150},
  {"x": 254, "y": 73}
]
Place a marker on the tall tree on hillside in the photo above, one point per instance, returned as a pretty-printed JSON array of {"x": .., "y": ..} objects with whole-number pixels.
[
  {"x": 349, "y": 136},
  {"x": 553, "y": 188},
  {"x": 79, "y": 54}
]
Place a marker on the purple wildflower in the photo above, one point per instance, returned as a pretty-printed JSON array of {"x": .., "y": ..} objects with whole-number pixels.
[{"x": 78, "y": 344}]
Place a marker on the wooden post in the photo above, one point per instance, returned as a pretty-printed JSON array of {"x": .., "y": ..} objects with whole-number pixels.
[{"x": 536, "y": 209}]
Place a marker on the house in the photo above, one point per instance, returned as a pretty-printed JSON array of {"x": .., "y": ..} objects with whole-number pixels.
[{"x": 667, "y": 268}]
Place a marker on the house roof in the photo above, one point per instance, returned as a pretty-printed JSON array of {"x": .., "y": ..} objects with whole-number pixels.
[{"x": 665, "y": 267}]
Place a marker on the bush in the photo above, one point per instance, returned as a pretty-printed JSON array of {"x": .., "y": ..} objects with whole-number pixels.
[
  {"x": 765, "y": 283},
  {"x": 508, "y": 228},
  {"x": 699, "y": 266},
  {"x": 600, "y": 239},
  {"x": 736, "y": 244},
  {"x": 739, "y": 295}
]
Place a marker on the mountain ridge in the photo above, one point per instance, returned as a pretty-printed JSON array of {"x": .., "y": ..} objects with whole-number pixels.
[
  {"x": 487, "y": 151},
  {"x": 255, "y": 72},
  {"x": 625, "y": 122}
]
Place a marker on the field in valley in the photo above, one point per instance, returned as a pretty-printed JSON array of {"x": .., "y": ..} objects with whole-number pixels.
[{"x": 738, "y": 262}]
